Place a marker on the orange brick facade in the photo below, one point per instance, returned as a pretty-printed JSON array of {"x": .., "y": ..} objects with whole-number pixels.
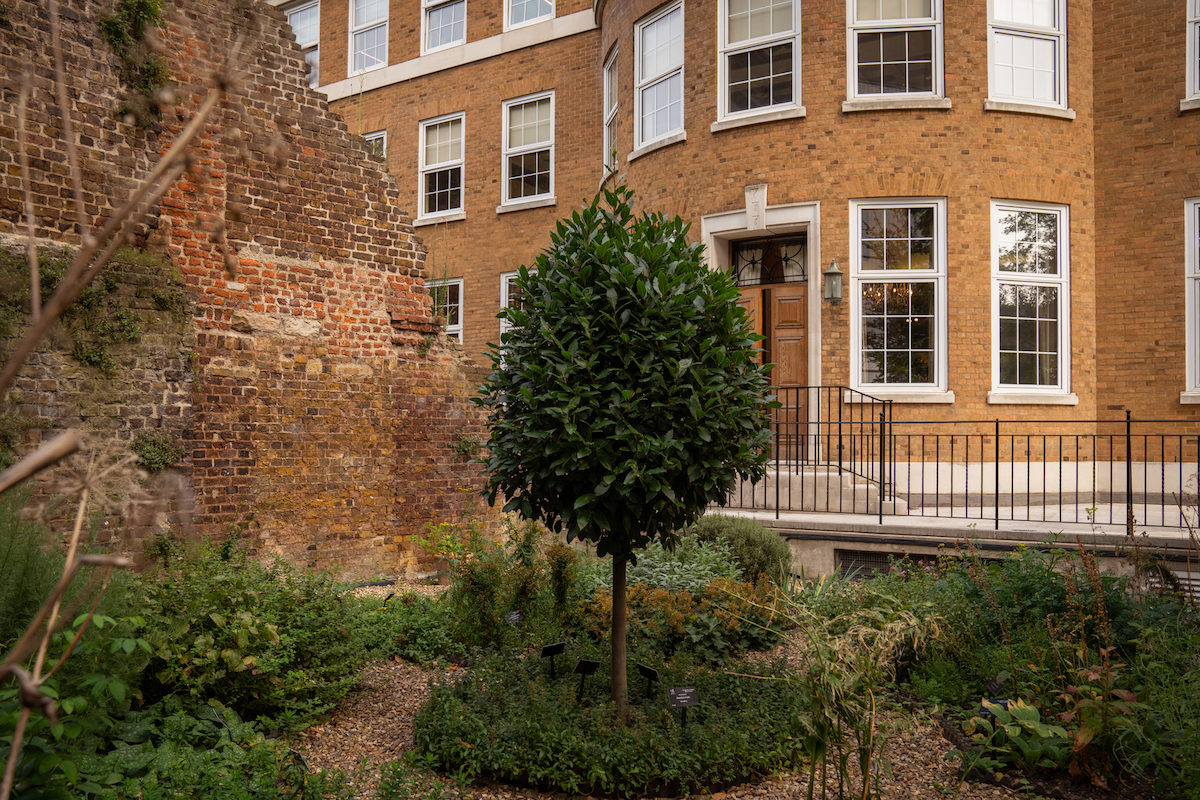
[{"x": 1120, "y": 158}]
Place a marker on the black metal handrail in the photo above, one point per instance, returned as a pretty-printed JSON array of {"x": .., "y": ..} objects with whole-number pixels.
[{"x": 837, "y": 450}]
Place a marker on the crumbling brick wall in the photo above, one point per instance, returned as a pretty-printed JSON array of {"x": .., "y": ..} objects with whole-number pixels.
[{"x": 328, "y": 419}]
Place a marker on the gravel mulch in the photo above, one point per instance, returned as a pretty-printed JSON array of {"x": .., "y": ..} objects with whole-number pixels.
[{"x": 373, "y": 726}]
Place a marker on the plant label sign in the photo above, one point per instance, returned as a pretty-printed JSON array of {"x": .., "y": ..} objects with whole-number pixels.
[{"x": 682, "y": 697}]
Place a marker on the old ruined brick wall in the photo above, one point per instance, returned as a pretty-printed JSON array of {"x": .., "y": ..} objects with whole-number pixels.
[{"x": 325, "y": 408}]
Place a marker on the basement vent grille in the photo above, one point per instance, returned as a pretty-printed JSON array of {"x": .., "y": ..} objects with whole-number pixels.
[{"x": 861, "y": 565}]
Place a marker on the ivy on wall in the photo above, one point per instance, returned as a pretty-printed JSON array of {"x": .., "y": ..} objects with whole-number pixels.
[{"x": 142, "y": 69}]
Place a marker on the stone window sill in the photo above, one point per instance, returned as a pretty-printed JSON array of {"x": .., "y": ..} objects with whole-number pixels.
[
  {"x": 1028, "y": 108},
  {"x": 455, "y": 217},
  {"x": 900, "y": 395},
  {"x": 896, "y": 104},
  {"x": 1190, "y": 397},
  {"x": 1003, "y": 397},
  {"x": 1189, "y": 104},
  {"x": 758, "y": 118},
  {"x": 524, "y": 205},
  {"x": 657, "y": 144}
]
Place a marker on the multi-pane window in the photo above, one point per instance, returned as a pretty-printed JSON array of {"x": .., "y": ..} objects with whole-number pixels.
[
  {"x": 1193, "y": 49},
  {"x": 610, "y": 113},
  {"x": 368, "y": 34},
  {"x": 896, "y": 47},
  {"x": 1030, "y": 297},
  {"x": 898, "y": 277},
  {"x": 659, "y": 91},
  {"x": 510, "y": 296},
  {"x": 523, "y": 12},
  {"x": 441, "y": 169},
  {"x": 529, "y": 148},
  {"x": 377, "y": 142},
  {"x": 760, "y": 54},
  {"x": 306, "y": 25},
  {"x": 1192, "y": 290},
  {"x": 1027, "y": 44},
  {"x": 445, "y": 23},
  {"x": 447, "y": 304}
]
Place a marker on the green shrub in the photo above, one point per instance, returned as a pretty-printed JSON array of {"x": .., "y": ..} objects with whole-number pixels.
[
  {"x": 690, "y": 566},
  {"x": 156, "y": 451},
  {"x": 507, "y": 720},
  {"x": 271, "y": 642},
  {"x": 29, "y": 568},
  {"x": 754, "y": 549},
  {"x": 412, "y": 626}
]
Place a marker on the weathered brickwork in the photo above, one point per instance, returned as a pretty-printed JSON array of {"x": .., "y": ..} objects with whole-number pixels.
[{"x": 325, "y": 410}]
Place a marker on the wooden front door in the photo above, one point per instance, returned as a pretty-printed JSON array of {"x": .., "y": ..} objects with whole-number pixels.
[{"x": 779, "y": 313}]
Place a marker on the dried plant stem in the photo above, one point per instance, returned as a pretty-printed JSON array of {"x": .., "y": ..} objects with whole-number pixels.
[
  {"x": 31, "y": 254},
  {"x": 47, "y": 455},
  {"x": 80, "y": 510},
  {"x": 68, "y": 129},
  {"x": 10, "y": 767}
]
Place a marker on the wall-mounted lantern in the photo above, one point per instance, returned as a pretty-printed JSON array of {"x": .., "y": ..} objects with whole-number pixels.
[{"x": 833, "y": 282}]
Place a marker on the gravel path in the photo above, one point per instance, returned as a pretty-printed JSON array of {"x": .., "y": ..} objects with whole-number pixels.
[{"x": 374, "y": 726}]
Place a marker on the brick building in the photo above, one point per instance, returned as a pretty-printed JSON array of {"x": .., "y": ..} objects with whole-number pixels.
[
  {"x": 322, "y": 415},
  {"x": 1010, "y": 190}
]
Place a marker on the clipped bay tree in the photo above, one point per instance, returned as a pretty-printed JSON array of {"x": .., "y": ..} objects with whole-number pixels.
[{"x": 626, "y": 395}]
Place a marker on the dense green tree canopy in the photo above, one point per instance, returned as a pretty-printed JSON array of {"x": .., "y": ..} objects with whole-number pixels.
[{"x": 626, "y": 395}]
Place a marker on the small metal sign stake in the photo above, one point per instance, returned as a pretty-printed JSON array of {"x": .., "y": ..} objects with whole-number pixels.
[
  {"x": 681, "y": 697},
  {"x": 584, "y": 668},
  {"x": 552, "y": 650},
  {"x": 651, "y": 676}
]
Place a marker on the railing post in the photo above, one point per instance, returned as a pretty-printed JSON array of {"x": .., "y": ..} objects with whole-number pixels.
[
  {"x": 997, "y": 473},
  {"x": 1128, "y": 473},
  {"x": 882, "y": 457}
]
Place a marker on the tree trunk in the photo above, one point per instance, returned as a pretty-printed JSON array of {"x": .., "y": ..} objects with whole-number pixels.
[{"x": 619, "y": 678}]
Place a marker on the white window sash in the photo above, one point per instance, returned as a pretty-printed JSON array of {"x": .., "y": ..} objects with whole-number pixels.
[
  {"x": 725, "y": 50},
  {"x": 426, "y": 167},
  {"x": 377, "y": 136},
  {"x": 357, "y": 29},
  {"x": 1191, "y": 229},
  {"x": 647, "y": 82},
  {"x": 934, "y": 275},
  {"x": 507, "y": 151},
  {"x": 611, "y": 99},
  {"x": 455, "y": 330},
  {"x": 1060, "y": 281},
  {"x": 509, "y": 24},
  {"x": 932, "y": 23},
  {"x": 1056, "y": 34},
  {"x": 427, "y": 9},
  {"x": 1193, "y": 50}
]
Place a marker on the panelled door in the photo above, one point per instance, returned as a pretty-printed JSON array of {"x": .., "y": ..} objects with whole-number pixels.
[
  {"x": 774, "y": 291},
  {"x": 779, "y": 313}
]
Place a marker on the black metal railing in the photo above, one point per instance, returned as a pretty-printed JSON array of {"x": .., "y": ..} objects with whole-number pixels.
[{"x": 839, "y": 451}]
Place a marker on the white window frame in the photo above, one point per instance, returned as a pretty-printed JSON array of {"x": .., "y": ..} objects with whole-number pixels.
[
  {"x": 643, "y": 82},
  {"x": 854, "y": 27},
  {"x": 611, "y": 99},
  {"x": 509, "y": 25},
  {"x": 1193, "y": 52},
  {"x": 310, "y": 45},
  {"x": 1191, "y": 228},
  {"x": 506, "y": 283},
  {"x": 356, "y": 29},
  {"x": 427, "y": 7},
  {"x": 455, "y": 330},
  {"x": 725, "y": 50},
  {"x": 936, "y": 390},
  {"x": 377, "y": 136},
  {"x": 507, "y": 151},
  {"x": 424, "y": 167},
  {"x": 1056, "y": 34},
  {"x": 1060, "y": 281}
]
